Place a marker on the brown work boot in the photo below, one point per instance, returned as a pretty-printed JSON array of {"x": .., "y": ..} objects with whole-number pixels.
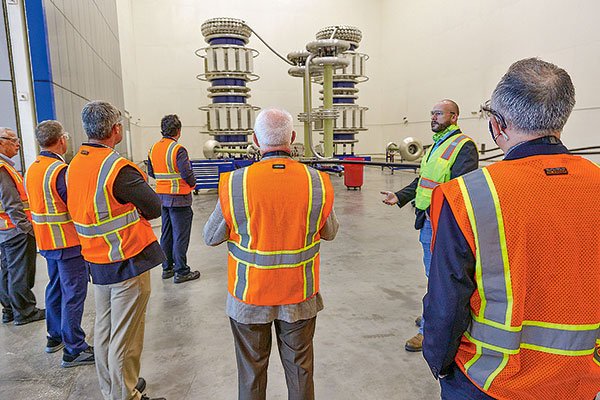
[{"x": 415, "y": 343}]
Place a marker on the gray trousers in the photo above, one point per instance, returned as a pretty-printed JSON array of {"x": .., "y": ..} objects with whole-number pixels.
[
  {"x": 17, "y": 275},
  {"x": 252, "y": 350},
  {"x": 119, "y": 335}
]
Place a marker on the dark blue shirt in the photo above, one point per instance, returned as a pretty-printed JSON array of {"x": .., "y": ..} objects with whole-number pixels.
[
  {"x": 187, "y": 174},
  {"x": 446, "y": 306}
]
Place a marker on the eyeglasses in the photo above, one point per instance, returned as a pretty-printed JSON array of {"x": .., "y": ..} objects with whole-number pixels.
[
  {"x": 66, "y": 135},
  {"x": 12, "y": 139},
  {"x": 438, "y": 113},
  {"x": 488, "y": 112}
]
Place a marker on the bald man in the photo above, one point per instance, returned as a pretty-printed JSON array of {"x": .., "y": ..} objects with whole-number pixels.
[{"x": 451, "y": 155}]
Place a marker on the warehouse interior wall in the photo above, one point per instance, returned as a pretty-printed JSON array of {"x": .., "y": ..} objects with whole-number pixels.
[
  {"x": 420, "y": 52},
  {"x": 80, "y": 46}
]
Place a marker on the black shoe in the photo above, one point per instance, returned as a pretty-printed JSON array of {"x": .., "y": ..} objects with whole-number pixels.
[
  {"x": 144, "y": 397},
  {"x": 86, "y": 357},
  {"x": 190, "y": 276},
  {"x": 141, "y": 385},
  {"x": 7, "y": 316},
  {"x": 53, "y": 345},
  {"x": 168, "y": 273},
  {"x": 38, "y": 315}
]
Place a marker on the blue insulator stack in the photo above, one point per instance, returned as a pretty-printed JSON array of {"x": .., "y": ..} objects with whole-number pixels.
[{"x": 228, "y": 66}]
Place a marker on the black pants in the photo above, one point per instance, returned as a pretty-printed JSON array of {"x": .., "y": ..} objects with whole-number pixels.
[
  {"x": 175, "y": 237},
  {"x": 252, "y": 350},
  {"x": 17, "y": 275}
]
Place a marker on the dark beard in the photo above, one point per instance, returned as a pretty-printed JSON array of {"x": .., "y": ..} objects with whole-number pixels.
[{"x": 438, "y": 127}]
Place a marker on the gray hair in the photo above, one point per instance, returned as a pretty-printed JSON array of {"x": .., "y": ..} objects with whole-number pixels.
[
  {"x": 4, "y": 130},
  {"x": 48, "y": 133},
  {"x": 98, "y": 119},
  {"x": 273, "y": 127},
  {"x": 535, "y": 97}
]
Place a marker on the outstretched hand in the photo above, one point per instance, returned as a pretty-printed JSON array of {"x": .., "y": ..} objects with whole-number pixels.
[{"x": 390, "y": 198}]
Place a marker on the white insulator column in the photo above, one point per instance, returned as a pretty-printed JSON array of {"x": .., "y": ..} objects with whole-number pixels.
[{"x": 228, "y": 66}]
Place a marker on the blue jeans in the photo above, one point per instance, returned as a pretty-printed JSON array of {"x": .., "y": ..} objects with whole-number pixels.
[
  {"x": 65, "y": 295},
  {"x": 175, "y": 237},
  {"x": 456, "y": 386},
  {"x": 425, "y": 239}
]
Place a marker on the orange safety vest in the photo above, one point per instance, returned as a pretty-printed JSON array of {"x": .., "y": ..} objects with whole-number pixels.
[
  {"x": 533, "y": 225},
  {"x": 163, "y": 156},
  {"x": 5, "y": 221},
  {"x": 51, "y": 221},
  {"x": 274, "y": 211},
  {"x": 108, "y": 230}
]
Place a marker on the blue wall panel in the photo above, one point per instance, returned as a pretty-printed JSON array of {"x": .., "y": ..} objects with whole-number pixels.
[{"x": 40, "y": 60}]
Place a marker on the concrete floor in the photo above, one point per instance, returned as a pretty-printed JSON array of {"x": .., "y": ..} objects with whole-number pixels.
[{"x": 372, "y": 283}]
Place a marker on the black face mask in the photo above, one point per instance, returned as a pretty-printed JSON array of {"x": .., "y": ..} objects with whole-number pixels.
[{"x": 492, "y": 131}]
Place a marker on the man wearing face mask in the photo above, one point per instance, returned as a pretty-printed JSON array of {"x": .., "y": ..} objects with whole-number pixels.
[
  {"x": 451, "y": 155},
  {"x": 515, "y": 256},
  {"x": 17, "y": 241}
]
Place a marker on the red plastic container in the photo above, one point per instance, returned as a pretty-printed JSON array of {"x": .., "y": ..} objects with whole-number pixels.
[{"x": 353, "y": 174}]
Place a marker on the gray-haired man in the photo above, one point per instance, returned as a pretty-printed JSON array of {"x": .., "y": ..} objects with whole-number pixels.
[
  {"x": 17, "y": 242},
  {"x": 111, "y": 203}
]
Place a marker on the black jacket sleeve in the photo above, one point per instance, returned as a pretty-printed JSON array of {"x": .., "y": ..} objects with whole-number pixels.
[
  {"x": 451, "y": 283},
  {"x": 131, "y": 187},
  {"x": 467, "y": 160},
  {"x": 408, "y": 193}
]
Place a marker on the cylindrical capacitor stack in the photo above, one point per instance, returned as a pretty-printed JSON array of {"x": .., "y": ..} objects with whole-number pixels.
[
  {"x": 228, "y": 66},
  {"x": 351, "y": 117}
]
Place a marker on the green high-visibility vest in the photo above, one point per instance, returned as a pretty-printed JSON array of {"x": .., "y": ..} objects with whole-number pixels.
[{"x": 435, "y": 167}]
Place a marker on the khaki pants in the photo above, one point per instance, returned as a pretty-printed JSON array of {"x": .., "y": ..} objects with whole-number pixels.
[{"x": 119, "y": 335}]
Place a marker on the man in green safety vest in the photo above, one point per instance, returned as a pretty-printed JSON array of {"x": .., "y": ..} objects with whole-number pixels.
[{"x": 452, "y": 154}]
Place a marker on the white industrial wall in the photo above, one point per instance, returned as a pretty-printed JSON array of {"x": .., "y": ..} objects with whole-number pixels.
[
  {"x": 460, "y": 49},
  {"x": 160, "y": 66},
  {"x": 420, "y": 52}
]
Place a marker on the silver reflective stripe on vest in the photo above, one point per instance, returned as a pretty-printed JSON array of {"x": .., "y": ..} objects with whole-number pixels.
[
  {"x": 237, "y": 196},
  {"x": 317, "y": 204},
  {"x": 452, "y": 146},
  {"x": 169, "y": 156},
  {"x": 489, "y": 362},
  {"x": 48, "y": 198},
  {"x": 171, "y": 167},
  {"x": 428, "y": 183},
  {"x": 240, "y": 287},
  {"x": 106, "y": 227},
  {"x": 101, "y": 198},
  {"x": 309, "y": 278},
  {"x": 50, "y": 219},
  {"x": 490, "y": 252},
  {"x": 166, "y": 176},
  {"x": 279, "y": 259},
  {"x": 114, "y": 242},
  {"x": 550, "y": 339}
]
